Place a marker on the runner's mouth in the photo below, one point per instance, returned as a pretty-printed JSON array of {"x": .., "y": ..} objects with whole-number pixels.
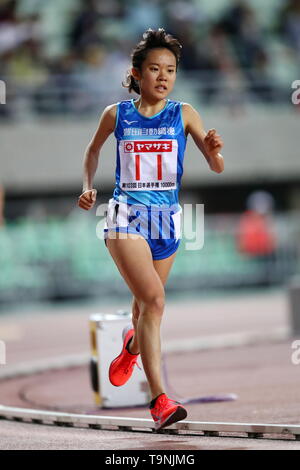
[{"x": 161, "y": 88}]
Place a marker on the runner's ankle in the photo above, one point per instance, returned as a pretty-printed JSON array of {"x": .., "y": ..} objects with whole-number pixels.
[{"x": 128, "y": 347}]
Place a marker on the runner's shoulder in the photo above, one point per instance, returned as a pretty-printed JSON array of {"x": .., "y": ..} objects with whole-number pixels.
[
  {"x": 111, "y": 110},
  {"x": 187, "y": 108},
  {"x": 189, "y": 114},
  {"x": 109, "y": 116}
]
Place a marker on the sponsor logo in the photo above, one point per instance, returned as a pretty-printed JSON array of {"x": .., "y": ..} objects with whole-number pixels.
[{"x": 146, "y": 146}]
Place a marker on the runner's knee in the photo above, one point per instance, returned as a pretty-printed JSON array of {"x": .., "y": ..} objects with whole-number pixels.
[{"x": 152, "y": 304}]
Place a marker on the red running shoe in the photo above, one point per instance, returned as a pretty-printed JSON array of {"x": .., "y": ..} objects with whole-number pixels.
[
  {"x": 166, "y": 412},
  {"x": 121, "y": 368}
]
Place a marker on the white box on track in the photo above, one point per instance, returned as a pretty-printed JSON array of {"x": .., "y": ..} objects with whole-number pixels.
[{"x": 106, "y": 344}]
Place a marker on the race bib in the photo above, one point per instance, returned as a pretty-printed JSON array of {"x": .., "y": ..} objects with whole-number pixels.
[{"x": 148, "y": 164}]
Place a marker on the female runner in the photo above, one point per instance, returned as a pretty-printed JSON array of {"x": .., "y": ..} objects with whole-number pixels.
[{"x": 143, "y": 222}]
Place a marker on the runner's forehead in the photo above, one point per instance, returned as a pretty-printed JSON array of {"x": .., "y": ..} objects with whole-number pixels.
[{"x": 161, "y": 57}]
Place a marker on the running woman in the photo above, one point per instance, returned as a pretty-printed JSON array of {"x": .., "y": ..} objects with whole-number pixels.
[{"x": 143, "y": 222}]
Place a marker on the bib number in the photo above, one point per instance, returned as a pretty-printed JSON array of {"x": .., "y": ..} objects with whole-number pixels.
[{"x": 148, "y": 165}]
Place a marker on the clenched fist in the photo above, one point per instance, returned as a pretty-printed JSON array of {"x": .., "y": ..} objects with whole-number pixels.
[
  {"x": 213, "y": 143},
  {"x": 87, "y": 199}
]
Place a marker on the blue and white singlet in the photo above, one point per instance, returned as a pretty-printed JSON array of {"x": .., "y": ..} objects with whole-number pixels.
[{"x": 150, "y": 153}]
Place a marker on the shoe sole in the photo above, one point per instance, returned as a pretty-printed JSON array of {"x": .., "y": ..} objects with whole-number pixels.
[
  {"x": 124, "y": 333},
  {"x": 179, "y": 414}
]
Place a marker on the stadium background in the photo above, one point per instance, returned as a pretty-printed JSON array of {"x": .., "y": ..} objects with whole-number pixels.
[{"x": 63, "y": 62}]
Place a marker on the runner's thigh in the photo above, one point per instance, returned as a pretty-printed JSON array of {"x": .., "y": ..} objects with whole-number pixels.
[
  {"x": 163, "y": 267},
  {"x": 134, "y": 261}
]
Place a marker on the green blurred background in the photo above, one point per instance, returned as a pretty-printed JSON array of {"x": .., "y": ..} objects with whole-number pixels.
[{"x": 63, "y": 61}]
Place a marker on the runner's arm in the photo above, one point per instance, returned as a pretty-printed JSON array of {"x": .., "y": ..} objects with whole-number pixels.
[
  {"x": 105, "y": 127},
  {"x": 209, "y": 143}
]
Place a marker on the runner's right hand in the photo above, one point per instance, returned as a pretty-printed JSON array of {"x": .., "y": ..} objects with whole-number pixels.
[{"x": 87, "y": 199}]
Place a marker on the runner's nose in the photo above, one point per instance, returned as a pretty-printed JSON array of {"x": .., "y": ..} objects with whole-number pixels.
[{"x": 162, "y": 75}]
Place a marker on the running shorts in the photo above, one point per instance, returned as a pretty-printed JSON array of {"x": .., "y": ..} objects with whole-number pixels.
[{"x": 160, "y": 226}]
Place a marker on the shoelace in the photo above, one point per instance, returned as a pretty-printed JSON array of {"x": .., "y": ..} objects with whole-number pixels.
[
  {"x": 163, "y": 401},
  {"x": 130, "y": 365}
]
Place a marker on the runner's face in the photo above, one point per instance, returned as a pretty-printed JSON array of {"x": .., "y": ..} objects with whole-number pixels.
[{"x": 158, "y": 73}]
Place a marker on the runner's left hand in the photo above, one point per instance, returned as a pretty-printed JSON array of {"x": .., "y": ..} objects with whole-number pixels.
[{"x": 213, "y": 142}]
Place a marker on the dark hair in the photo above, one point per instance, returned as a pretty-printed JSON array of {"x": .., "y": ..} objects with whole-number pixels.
[{"x": 151, "y": 39}]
